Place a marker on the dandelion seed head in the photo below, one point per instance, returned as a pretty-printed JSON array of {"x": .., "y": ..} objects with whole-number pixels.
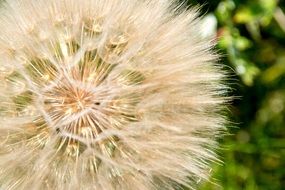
[{"x": 106, "y": 95}]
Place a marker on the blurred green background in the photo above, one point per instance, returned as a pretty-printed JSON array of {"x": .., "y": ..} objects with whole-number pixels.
[{"x": 252, "y": 41}]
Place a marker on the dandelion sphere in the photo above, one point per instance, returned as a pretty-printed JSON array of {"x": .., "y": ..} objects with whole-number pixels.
[{"x": 106, "y": 95}]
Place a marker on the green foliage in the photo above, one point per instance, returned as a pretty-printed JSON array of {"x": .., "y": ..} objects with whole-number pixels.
[{"x": 252, "y": 39}]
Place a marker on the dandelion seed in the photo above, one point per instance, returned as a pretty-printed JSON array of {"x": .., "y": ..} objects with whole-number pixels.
[{"x": 105, "y": 95}]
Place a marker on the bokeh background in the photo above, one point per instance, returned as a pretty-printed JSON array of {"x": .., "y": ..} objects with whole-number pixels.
[
  {"x": 251, "y": 40},
  {"x": 251, "y": 37}
]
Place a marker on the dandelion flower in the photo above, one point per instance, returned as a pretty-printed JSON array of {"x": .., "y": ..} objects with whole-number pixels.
[{"x": 106, "y": 95}]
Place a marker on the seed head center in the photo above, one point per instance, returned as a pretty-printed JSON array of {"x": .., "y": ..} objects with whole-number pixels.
[{"x": 77, "y": 102}]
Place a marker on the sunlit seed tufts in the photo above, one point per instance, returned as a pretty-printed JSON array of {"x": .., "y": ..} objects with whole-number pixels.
[{"x": 106, "y": 95}]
